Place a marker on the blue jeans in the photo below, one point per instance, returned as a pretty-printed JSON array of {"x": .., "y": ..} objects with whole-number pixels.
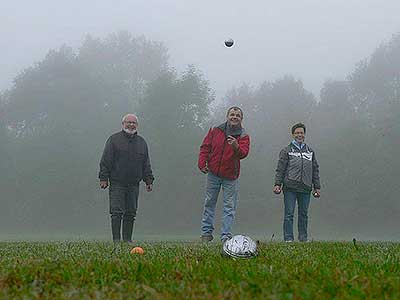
[
  {"x": 230, "y": 190},
  {"x": 303, "y": 200}
]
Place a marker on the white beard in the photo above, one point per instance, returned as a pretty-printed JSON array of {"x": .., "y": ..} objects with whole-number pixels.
[{"x": 129, "y": 131}]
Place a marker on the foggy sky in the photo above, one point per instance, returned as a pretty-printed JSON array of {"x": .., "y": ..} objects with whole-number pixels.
[{"x": 313, "y": 40}]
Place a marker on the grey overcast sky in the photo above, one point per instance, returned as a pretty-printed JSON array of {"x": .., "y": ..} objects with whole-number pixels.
[{"x": 312, "y": 39}]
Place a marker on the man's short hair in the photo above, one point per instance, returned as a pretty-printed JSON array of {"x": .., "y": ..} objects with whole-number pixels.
[
  {"x": 234, "y": 108},
  {"x": 124, "y": 117},
  {"x": 298, "y": 125}
]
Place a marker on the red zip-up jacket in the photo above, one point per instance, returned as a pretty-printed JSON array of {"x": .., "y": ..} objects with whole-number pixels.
[{"x": 219, "y": 156}]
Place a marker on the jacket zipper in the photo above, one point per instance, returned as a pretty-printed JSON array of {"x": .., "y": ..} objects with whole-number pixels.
[
  {"x": 301, "y": 174},
  {"x": 220, "y": 159}
]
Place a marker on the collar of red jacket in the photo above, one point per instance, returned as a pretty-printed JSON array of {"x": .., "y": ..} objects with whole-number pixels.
[{"x": 231, "y": 130}]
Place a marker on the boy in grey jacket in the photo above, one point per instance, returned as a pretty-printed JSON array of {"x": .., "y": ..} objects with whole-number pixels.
[{"x": 297, "y": 174}]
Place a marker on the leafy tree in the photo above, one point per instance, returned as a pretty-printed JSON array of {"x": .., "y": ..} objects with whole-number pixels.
[
  {"x": 173, "y": 116},
  {"x": 60, "y": 112}
]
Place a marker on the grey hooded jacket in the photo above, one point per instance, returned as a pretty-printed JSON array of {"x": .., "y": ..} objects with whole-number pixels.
[{"x": 297, "y": 170}]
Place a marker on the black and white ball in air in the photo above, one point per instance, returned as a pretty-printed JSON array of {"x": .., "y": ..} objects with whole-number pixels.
[{"x": 229, "y": 43}]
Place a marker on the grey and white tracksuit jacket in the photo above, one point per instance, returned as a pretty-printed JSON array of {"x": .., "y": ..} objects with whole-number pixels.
[{"x": 297, "y": 170}]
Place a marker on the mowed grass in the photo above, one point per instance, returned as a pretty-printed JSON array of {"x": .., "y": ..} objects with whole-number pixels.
[{"x": 191, "y": 270}]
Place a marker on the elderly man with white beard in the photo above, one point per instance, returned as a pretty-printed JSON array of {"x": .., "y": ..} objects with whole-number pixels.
[{"x": 124, "y": 163}]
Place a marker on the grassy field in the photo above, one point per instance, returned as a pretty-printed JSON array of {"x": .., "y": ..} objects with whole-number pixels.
[{"x": 191, "y": 270}]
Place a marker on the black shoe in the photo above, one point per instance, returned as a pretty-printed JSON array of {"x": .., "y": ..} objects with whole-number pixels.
[
  {"x": 129, "y": 243},
  {"x": 224, "y": 239},
  {"x": 207, "y": 238},
  {"x": 117, "y": 247}
]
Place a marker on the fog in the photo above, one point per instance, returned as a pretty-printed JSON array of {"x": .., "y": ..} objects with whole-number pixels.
[
  {"x": 70, "y": 70},
  {"x": 311, "y": 40}
]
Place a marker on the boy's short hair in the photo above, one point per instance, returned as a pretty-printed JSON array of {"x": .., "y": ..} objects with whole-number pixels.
[{"x": 298, "y": 125}]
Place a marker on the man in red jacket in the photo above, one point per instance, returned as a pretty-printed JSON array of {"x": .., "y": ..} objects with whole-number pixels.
[{"x": 220, "y": 154}]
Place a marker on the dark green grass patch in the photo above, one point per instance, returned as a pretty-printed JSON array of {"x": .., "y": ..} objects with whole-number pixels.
[{"x": 97, "y": 270}]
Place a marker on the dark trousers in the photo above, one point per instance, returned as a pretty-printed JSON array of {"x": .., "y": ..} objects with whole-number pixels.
[{"x": 123, "y": 207}]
